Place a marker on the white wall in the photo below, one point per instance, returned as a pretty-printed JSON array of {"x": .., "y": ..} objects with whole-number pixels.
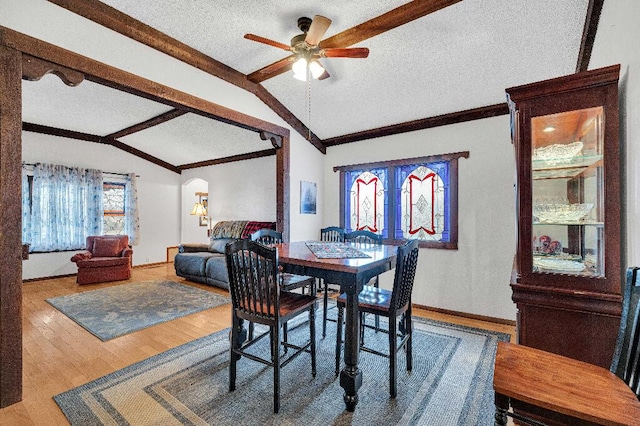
[
  {"x": 306, "y": 165},
  {"x": 617, "y": 43},
  {"x": 246, "y": 190},
  {"x": 241, "y": 190},
  {"x": 474, "y": 278},
  {"x": 158, "y": 198},
  {"x": 192, "y": 232}
]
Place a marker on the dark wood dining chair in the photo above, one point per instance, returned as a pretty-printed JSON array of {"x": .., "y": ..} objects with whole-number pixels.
[
  {"x": 544, "y": 387},
  {"x": 256, "y": 296},
  {"x": 333, "y": 234},
  {"x": 330, "y": 234},
  {"x": 366, "y": 237},
  {"x": 391, "y": 304},
  {"x": 288, "y": 282}
]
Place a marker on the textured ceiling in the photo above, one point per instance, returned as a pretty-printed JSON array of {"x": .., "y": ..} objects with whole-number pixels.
[
  {"x": 88, "y": 108},
  {"x": 458, "y": 58},
  {"x": 195, "y": 138}
]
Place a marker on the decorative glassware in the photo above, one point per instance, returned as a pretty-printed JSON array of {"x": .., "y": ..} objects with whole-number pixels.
[
  {"x": 558, "y": 153},
  {"x": 559, "y": 265},
  {"x": 561, "y": 213}
]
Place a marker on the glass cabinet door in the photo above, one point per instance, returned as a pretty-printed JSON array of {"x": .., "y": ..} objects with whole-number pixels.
[{"x": 567, "y": 192}]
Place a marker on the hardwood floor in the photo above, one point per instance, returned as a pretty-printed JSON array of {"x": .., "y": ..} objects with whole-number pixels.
[{"x": 59, "y": 355}]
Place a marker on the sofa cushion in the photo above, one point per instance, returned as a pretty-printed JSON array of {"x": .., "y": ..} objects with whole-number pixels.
[
  {"x": 217, "y": 245},
  {"x": 102, "y": 262},
  {"x": 106, "y": 247},
  {"x": 217, "y": 269},
  {"x": 193, "y": 263}
]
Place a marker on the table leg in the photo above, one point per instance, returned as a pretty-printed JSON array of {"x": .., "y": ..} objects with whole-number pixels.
[
  {"x": 502, "y": 407},
  {"x": 351, "y": 376}
]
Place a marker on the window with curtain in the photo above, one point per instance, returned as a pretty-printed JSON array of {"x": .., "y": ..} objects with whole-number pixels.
[
  {"x": 62, "y": 205},
  {"x": 407, "y": 199}
]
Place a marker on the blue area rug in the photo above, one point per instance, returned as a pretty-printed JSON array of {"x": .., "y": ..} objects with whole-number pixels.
[
  {"x": 115, "y": 311},
  {"x": 450, "y": 385}
]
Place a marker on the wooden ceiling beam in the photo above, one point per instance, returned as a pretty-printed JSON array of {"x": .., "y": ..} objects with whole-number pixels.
[
  {"x": 159, "y": 119},
  {"x": 230, "y": 159},
  {"x": 87, "y": 137},
  {"x": 371, "y": 28},
  {"x": 141, "y": 154},
  {"x": 63, "y": 133},
  {"x": 423, "y": 123},
  {"x": 124, "y": 24},
  {"x": 115, "y": 78},
  {"x": 589, "y": 34},
  {"x": 291, "y": 119},
  {"x": 386, "y": 22}
]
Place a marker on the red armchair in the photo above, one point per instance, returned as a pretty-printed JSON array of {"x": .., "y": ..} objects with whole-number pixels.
[{"x": 108, "y": 258}]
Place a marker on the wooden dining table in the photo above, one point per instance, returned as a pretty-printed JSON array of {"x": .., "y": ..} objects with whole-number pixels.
[
  {"x": 351, "y": 274},
  {"x": 546, "y": 387}
]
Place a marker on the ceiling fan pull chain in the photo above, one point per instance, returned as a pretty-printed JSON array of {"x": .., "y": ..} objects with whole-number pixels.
[{"x": 308, "y": 103}]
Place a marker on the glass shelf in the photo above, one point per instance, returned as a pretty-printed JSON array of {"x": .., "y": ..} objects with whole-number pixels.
[
  {"x": 586, "y": 223},
  {"x": 572, "y": 163},
  {"x": 567, "y": 184}
]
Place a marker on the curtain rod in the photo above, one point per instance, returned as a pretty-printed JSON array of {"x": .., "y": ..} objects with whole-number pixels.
[{"x": 109, "y": 173}]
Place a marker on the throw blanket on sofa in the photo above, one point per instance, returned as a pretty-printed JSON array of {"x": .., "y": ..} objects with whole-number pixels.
[{"x": 238, "y": 228}]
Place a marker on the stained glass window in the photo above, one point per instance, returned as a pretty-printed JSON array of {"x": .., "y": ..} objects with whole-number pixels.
[
  {"x": 113, "y": 204},
  {"x": 414, "y": 198},
  {"x": 367, "y": 200},
  {"x": 423, "y": 208}
]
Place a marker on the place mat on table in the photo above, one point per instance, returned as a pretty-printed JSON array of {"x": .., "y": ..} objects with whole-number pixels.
[{"x": 335, "y": 251}]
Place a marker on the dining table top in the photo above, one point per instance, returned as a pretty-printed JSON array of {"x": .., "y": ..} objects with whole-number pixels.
[
  {"x": 577, "y": 389},
  {"x": 298, "y": 253}
]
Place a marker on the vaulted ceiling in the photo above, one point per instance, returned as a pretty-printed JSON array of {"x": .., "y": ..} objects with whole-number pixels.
[{"x": 430, "y": 62}]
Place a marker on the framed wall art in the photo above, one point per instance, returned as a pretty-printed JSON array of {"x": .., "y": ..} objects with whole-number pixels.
[{"x": 308, "y": 195}]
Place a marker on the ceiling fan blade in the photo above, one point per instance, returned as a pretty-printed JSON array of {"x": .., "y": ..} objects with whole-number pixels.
[
  {"x": 371, "y": 28},
  {"x": 324, "y": 75},
  {"x": 272, "y": 70},
  {"x": 385, "y": 22},
  {"x": 318, "y": 27},
  {"x": 267, "y": 41},
  {"x": 356, "y": 52}
]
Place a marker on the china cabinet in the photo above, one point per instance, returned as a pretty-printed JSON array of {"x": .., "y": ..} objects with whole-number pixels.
[{"x": 568, "y": 268}]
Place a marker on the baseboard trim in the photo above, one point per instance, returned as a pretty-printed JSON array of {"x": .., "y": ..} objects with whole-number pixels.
[
  {"x": 467, "y": 315},
  {"x": 150, "y": 265},
  {"x": 146, "y": 265},
  {"x": 28, "y": 280}
]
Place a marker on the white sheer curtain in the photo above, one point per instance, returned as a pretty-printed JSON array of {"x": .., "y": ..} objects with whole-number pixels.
[
  {"x": 131, "y": 222},
  {"x": 66, "y": 207},
  {"x": 26, "y": 207}
]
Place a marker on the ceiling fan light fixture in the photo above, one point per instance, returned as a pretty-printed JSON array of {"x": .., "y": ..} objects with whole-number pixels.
[
  {"x": 316, "y": 69},
  {"x": 299, "y": 68}
]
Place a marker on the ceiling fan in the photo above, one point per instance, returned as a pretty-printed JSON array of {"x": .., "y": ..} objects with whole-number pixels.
[{"x": 307, "y": 51}]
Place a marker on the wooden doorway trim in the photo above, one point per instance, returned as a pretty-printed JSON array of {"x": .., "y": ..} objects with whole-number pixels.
[
  {"x": 15, "y": 48},
  {"x": 10, "y": 227}
]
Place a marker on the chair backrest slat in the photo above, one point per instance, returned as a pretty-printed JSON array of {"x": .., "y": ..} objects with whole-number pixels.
[
  {"x": 406, "y": 264},
  {"x": 332, "y": 234},
  {"x": 252, "y": 270},
  {"x": 363, "y": 237},
  {"x": 626, "y": 357},
  {"x": 267, "y": 237}
]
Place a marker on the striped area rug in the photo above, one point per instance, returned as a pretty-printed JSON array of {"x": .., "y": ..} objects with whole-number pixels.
[{"x": 450, "y": 385}]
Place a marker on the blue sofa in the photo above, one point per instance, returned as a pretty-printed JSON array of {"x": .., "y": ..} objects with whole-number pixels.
[{"x": 206, "y": 263}]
